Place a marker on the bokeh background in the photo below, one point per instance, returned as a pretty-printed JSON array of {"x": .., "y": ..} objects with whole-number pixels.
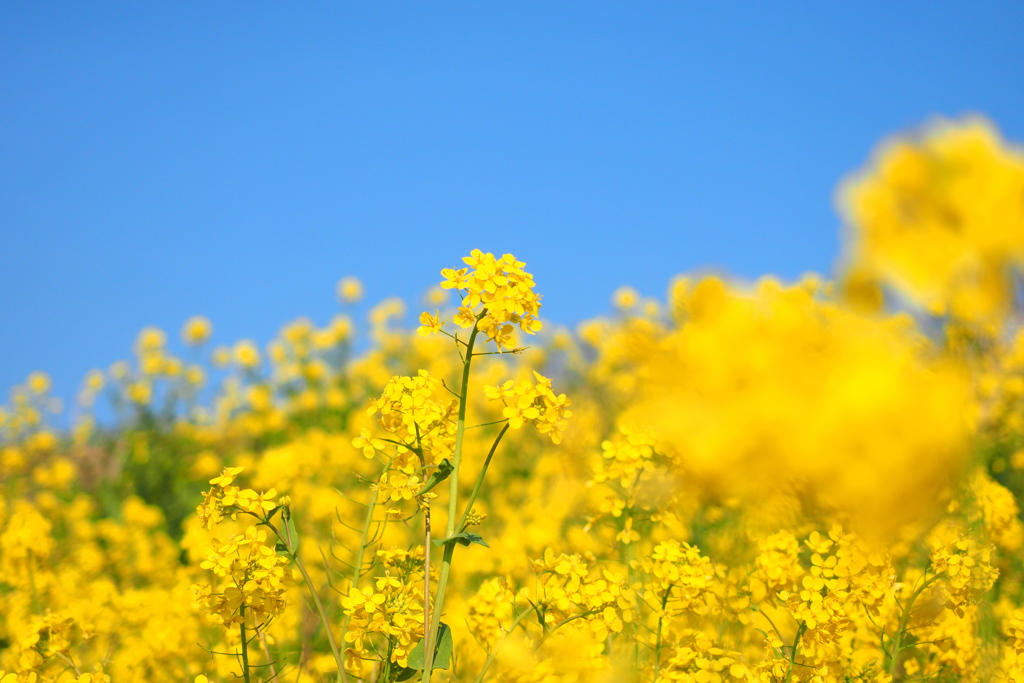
[{"x": 235, "y": 160}]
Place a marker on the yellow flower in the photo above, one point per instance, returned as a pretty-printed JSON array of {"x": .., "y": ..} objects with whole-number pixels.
[
  {"x": 429, "y": 324},
  {"x": 941, "y": 218},
  {"x": 246, "y": 354},
  {"x": 498, "y": 293},
  {"x": 436, "y": 296},
  {"x": 94, "y": 381},
  {"x": 221, "y": 357},
  {"x": 367, "y": 444},
  {"x": 454, "y": 279},
  {"x": 140, "y": 392},
  {"x": 195, "y": 375},
  {"x": 39, "y": 383},
  {"x": 625, "y": 298},
  {"x": 350, "y": 289},
  {"x": 197, "y": 330},
  {"x": 465, "y": 317},
  {"x": 150, "y": 339},
  {"x": 226, "y": 477},
  {"x": 250, "y": 501}
]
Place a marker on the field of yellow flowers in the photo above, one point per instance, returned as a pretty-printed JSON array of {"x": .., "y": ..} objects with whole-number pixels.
[{"x": 776, "y": 482}]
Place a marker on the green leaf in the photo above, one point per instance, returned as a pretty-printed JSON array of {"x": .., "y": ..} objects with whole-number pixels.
[
  {"x": 415, "y": 659},
  {"x": 462, "y": 538},
  {"x": 443, "y": 471},
  {"x": 405, "y": 673},
  {"x": 442, "y": 653}
]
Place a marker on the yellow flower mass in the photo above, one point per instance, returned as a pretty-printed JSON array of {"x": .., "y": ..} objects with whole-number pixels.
[
  {"x": 942, "y": 218},
  {"x": 804, "y": 482}
]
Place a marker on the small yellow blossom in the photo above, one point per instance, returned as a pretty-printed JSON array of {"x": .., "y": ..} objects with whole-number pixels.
[
  {"x": 197, "y": 330},
  {"x": 350, "y": 289}
]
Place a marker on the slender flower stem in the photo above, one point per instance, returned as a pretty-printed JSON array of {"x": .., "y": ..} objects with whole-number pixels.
[
  {"x": 494, "y": 654},
  {"x": 550, "y": 632},
  {"x": 905, "y": 612},
  {"x": 69, "y": 660},
  {"x": 442, "y": 581},
  {"x": 453, "y": 500},
  {"x": 661, "y": 621},
  {"x": 321, "y": 612},
  {"x": 792, "y": 653},
  {"x": 428, "y": 651},
  {"x": 270, "y": 660},
  {"x": 245, "y": 644},
  {"x": 357, "y": 568},
  {"x": 480, "y": 478},
  {"x": 342, "y": 674},
  {"x": 453, "y": 504}
]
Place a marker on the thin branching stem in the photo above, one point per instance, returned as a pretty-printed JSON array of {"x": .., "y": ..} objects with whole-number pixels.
[
  {"x": 497, "y": 647},
  {"x": 266, "y": 652},
  {"x": 793, "y": 652},
  {"x": 661, "y": 621},
  {"x": 487, "y": 424},
  {"x": 290, "y": 543},
  {"x": 480, "y": 478},
  {"x": 901, "y": 629}
]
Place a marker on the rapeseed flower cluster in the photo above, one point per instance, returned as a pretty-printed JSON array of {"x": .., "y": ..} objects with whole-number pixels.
[
  {"x": 496, "y": 295},
  {"x": 941, "y": 218},
  {"x": 536, "y": 403},
  {"x": 812, "y": 481}
]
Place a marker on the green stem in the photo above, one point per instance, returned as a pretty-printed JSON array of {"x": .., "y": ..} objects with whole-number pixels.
[
  {"x": 245, "y": 645},
  {"x": 494, "y": 655},
  {"x": 897, "y": 639},
  {"x": 453, "y": 505},
  {"x": 631, "y": 574},
  {"x": 449, "y": 551},
  {"x": 428, "y": 651},
  {"x": 453, "y": 500},
  {"x": 661, "y": 621},
  {"x": 435, "y": 621},
  {"x": 792, "y": 654},
  {"x": 270, "y": 659},
  {"x": 342, "y": 674},
  {"x": 358, "y": 567},
  {"x": 563, "y": 622},
  {"x": 70, "y": 661},
  {"x": 480, "y": 478}
]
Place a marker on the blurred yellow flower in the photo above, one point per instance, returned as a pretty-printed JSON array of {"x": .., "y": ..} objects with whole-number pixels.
[
  {"x": 39, "y": 383},
  {"x": 350, "y": 289},
  {"x": 941, "y": 218},
  {"x": 246, "y": 354},
  {"x": 140, "y": 392},
  {"x": 625, "y": 298},
  {"x": 150, "y": 339},
  {"x": 197, "y": 330}
]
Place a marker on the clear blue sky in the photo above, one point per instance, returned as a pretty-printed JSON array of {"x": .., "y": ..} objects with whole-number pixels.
[{"x": 230, "y": 159}]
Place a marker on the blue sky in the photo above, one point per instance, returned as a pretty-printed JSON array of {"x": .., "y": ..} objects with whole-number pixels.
[{"x": 159, "y": 160}]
